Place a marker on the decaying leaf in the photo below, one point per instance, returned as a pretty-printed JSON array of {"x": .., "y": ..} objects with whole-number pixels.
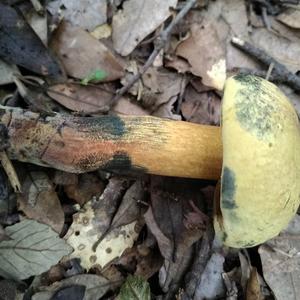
[
  {"x": 39, "y": 24},
  {"x": 202, "y": 253},
  {"x": 171, "y": 216},
  {"x": 7, "y": 72},
  {"x": 95, "y": 287},
  {"x": 89, "y": 186},
  {"x": 211, "y": 285},
  {"x": 177, "y": 223},
  {"x": 85, "y": 99},
  {"x": 276, "y": 46},
  {"x": 135, "y": 288},
  {"x": 9, "y": 290},
  {"x": 281, "y": 262},
  {"x": 86, "y": 14},
  {"x": 32, "y": 249},
  {"x": 171, "y": 273},
  {"x": 126, "y": 107},
  {"x": 290, "y": 17},
  {"x": 205, "y": 53},
  {"x": 138, "y": 19},
  {"x": 230, "y": 19},
  {"x": 74, "y": 292},
  {"x": 20, "y": 45},
  {"x": 101, "y": 232},
  {"x": 253, "y": 287},
  {"x": 167, "y": 110},
  {"x": 39, "y": 201},
  {"x": 202, "y": 108},
  {"x": 82, "y": 54}
]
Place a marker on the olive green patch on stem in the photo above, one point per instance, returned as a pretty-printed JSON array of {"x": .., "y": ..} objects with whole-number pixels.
[
  {"x": 228, "y": 186},
  {"x": 106, "y": 127},
  {"x": 121, "y": 164}
]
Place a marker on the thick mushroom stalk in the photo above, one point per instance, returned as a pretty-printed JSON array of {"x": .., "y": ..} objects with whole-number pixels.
[
  {"x": 118, "y": 144},
  {"x": 258, "y": 159}
]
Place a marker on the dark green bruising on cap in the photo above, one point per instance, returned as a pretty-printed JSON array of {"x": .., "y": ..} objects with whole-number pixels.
[
  {"x": 255, "y": 113},
  {"x": 121, "y": 164},
  {"x": 228, "y": 188},
  {"x": 105, "y": 127}
]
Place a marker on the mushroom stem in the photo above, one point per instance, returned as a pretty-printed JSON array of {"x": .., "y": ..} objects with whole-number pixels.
[{"x": 119, "y": 144}]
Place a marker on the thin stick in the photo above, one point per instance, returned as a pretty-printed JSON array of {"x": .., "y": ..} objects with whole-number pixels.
[
  {"x": 279, "y": 71},
  {"x": 10, "y": 171},
  {"x": 159, "y": 44}
]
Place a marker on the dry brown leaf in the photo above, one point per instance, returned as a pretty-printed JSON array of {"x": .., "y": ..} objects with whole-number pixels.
[
  {"x": 126, "y": 107},
  {"x": 253, "y": 286},
  {"x": 162, "y": 86},
  {"x": 290, "y": 17},
  {"x": 282, "y": 30},
  {"x": 277, "y": 46},
  {"x": 166, "y": 110},
  {"x": 281, "y": 262},
  {"x": 211, "y": 285},
  {"x": 205, "y": 53},
  {"x": 95, "y": 287},
  {"x": 39, "y": 24},
  {"x": 3, "y": 235},
  {"x": 7, "y": 72},
  {"x": 86, "y": 14},
  {"x": 202, "y": 108},
  {"x": 79, "y": 98},
  {"x": 138, "y": 19},
  {"x": 230, "y": 19},
  {"x": 170, "y": 217},
  {"x": 172, "y": 273},
  {"x": 89, "y": 185},
  {"x": 39, "y": 201},
  {"x": 64, "y": 178},
  {"x": 177, "y": 63},
  {"x": 82, "y": 54},
  {"x": 140, "y": 264}
]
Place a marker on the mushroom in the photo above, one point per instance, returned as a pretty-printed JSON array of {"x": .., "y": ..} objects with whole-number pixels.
[
  {"x": 257, "y": 159},
  {"x": 260, "y": 182}
]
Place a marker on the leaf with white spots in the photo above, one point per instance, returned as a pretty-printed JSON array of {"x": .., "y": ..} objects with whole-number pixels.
[
  {"x": 84, "y": 234},
  {"x": 32, "y": 249}
]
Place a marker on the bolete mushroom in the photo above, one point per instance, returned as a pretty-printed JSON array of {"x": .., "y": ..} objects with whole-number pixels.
[{"x": 260, "y": 151}]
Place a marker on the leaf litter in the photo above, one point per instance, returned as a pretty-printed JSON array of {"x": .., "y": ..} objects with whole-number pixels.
[{"x": 103, "y": 236}]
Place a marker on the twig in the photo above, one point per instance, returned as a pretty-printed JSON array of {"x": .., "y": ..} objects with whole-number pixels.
[
  {"x": 159, "y": 44},
  {"x": 280, "y": 72},
  {"x": 10, "y": 172},
  {"x": 271, "y": 67}
]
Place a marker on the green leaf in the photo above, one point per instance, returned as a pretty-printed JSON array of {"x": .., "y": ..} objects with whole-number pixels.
[
  {"x": 135, "y": 288},
  {"x": 96, "y": 75},
  {"x": 32, "y": 249}
]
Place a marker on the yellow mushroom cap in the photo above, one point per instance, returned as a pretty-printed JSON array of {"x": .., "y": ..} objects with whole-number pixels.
[{"x": 260, "y": 186}]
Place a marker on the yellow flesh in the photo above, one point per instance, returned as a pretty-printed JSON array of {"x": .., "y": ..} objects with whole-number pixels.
[{"x": 260, "y": 188}]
